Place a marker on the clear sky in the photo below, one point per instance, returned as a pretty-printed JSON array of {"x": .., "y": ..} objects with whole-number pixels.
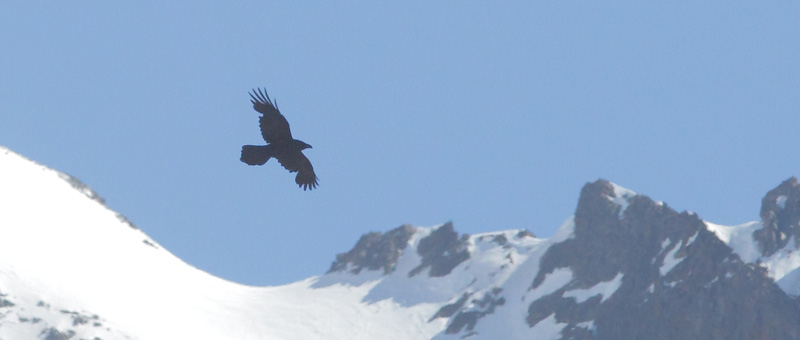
[{"x": 489, "y": 114}]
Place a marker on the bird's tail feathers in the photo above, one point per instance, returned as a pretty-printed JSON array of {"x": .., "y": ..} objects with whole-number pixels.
[{"x": 256, "y": 154}]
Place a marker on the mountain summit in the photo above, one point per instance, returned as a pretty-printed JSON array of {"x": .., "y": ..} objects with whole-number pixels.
[{"x": 622, "y": 267}]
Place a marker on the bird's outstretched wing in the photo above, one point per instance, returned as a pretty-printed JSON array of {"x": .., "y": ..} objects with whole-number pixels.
[
  {"x": 274, "y": 127},
  {"x": 297, "y": 162}
]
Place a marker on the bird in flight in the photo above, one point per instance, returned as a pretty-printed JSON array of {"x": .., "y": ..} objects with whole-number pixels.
[{"x": 280, "y": 143}]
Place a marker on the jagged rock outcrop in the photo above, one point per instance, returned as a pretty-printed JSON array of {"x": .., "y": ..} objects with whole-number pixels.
[
  {"x": 441, "y": 251},
  {"x": 375, "y": 251},
  {"x": 780, "y": 216},
  {"x": 676, "y": 279},
  {"x": 625, "y": 267},
  {"x": 466, "y": 319}
]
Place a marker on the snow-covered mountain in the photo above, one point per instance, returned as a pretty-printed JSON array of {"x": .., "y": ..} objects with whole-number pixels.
[{"x": 622, "y": 267}]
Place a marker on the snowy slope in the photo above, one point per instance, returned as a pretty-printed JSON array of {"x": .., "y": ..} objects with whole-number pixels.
[
  {"x": 66, "y": 257},
  {"x": 63, "y": 253},
  {"x": 783, "y": 266}
]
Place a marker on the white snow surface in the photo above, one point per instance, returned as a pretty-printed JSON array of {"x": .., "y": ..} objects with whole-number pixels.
[
  {"x": 671, "y": 259},
  {"x": 781, "y": 201},
  {"x": 69, "y": 264},
  {"x": 62, "y": 251},
  {"x": 621, "y": 197},
  {"x": 739, "y": 238}
]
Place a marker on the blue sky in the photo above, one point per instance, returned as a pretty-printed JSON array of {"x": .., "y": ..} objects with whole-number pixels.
[{"x": 492, "y": 115}]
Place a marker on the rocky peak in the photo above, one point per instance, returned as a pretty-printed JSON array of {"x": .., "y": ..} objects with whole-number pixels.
[
  {"x": 608, "y": 240},
  {"x": 780, "y": 216},
  {"x": 673, "y": 275},
  {"x": 375, "y": 251}
]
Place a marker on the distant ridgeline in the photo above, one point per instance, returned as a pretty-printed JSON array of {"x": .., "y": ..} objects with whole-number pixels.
[{"x": 622, "y": 267}]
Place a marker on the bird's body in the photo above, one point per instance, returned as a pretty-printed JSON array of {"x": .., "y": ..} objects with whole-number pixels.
[{"x": 280, "y": 143}]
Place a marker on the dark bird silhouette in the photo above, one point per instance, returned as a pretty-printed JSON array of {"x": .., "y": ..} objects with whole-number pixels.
[{"x": 280, "y": 143}]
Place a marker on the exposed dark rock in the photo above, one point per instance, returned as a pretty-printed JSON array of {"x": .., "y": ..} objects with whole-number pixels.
[
  {"x": 604, "y": 245},
  {"x": 78, "y": 318},
  {"x": 466, "y": 318},
  {"x": 780, "y": 215},
  {"x": 448, "y": 310},
  {"x": 441, "y": 251},
  {"x": 500, "y": 239},
  {"x": 489, "y": 302},
  {"x": 83, "y": 188},
  {"x": 525, "y": 233},
  {"x": 374, "y": 251},
  {"x": 54, "y": 334},
  {"x": 577, "y": 332},
  {"x": 463, "y": 320},
  {"x": 125, "y": 220},
  {"x": 5, "y": 302},
  {"x": 708, "y": 294}
]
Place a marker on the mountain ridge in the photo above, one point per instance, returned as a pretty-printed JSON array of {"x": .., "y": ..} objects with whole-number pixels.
[{"x": 623, "y": 266}]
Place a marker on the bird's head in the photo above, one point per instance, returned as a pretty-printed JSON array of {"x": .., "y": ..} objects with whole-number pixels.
[{"x": 303, "y": 145}]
